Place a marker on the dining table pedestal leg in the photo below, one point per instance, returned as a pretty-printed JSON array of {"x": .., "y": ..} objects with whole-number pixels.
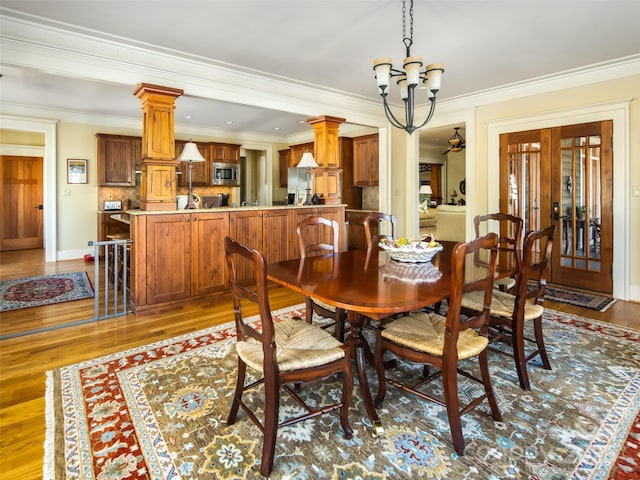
[{"x": 359, "y": 347}]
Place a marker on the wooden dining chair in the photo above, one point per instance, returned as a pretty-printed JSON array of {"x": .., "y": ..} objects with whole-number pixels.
[
  {"x": 313, "y": 233},
  {"x": 510, "y": 312},
  {"x": 287, "y": 353},
  {"x": 376, "y": 218},
  {"x": 509, "y": 241},
  {"x": 433, "y": 340}
]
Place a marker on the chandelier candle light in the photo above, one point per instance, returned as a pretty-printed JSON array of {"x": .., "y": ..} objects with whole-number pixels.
[
  {"x": 308, "y": 162},
  {"x": 408, "y": 79},
  {"x": 190, "y": 154}
]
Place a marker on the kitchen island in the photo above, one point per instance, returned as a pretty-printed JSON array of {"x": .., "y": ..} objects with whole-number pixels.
[{"x": 179, "y": 254}]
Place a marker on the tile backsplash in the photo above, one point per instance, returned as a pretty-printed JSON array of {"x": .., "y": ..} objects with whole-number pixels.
[{"x": 130, "y": 196}]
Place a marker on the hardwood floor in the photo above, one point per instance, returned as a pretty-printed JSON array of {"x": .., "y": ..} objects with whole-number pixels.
[{"x": 25, "y": 360}]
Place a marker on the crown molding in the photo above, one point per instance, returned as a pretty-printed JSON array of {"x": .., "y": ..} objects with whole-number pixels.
[{"x": 57, "y": 51}]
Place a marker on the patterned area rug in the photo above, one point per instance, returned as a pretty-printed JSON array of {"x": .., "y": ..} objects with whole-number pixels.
[
  {"x": 37, "y": 291},
  {"x": 158, "y": 412},
  {"x": 581, "y": 299}
]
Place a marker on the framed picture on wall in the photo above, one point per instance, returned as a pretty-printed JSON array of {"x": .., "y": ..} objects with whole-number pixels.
[{"x": 76, "y": 170}]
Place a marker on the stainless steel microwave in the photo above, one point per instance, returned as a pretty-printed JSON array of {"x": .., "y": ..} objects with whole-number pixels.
[{"x": 226, "y": 174}]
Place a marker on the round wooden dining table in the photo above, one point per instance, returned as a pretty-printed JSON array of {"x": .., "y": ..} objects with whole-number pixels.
[{"x": 372, "y": 285}]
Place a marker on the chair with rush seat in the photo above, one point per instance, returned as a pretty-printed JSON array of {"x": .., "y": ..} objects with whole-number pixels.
[
  {"x": 509, "y": 312},
  {"x": 509, "y": 242},
  {"x": 287, "y": 353},
  {"x": 312, "y": 234},
  {"x": 432, "y": 340}
]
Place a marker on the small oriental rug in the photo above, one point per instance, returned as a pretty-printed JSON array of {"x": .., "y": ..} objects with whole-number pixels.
[
  {"x": 37, "y": 291},
  {"x": 158, "y": 412},
  {"x": 581, "y": 299}
]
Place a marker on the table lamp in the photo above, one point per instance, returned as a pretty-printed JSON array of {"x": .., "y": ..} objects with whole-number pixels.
[
  {"x": 190, "y": 154},
  {"x": 307, "y": 162},
  {"x": 426, "y": 190}
]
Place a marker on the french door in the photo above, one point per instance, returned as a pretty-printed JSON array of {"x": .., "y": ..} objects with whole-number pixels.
[{"x": 564, "y": 175}]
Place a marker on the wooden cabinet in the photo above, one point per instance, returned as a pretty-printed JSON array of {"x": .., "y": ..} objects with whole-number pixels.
[
  {"x": 365, "y": 160},
  {"x": 266, "y": 230},
  {"x": 436, "y": 183},
  {"x": 351, "y": 195},
  {"x": 176, "y": 256},
  {"x": 201, "y": 174},
  {"x": 208, "y": 264},
  {"x": 300, "y": 214},
  {"x": 225, "y": 153},
  {"x": 284, "y": 159},
  {"x": 181, "y": 256},
  {"x": 327, "y": 183},
  {"x": 297, "y": 151},
  {"x": 117, "y": 158}
]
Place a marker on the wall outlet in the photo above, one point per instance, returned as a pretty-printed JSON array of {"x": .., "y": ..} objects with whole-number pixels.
[
  {"x": 635, "y": 191},
  {"x": 66, "y": 192}
]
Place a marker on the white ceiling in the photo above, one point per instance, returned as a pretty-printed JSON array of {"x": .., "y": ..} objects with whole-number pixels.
[{"x": 325, "y": 44}]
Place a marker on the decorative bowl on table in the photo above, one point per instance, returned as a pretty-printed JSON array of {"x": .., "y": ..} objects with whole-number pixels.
[{"x": 410, "y": 251}]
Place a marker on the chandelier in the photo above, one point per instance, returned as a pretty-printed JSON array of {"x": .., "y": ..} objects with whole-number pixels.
[
  {"x": 408, "y": 78},
  {"x": 456, "y": 142}
]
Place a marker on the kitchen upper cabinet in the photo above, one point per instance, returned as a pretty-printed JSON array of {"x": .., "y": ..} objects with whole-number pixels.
[
  {"x": 365, "y": 161},
  {"x": 268, "y": 231},
  {"x": 117, "y": 158},
  {"x": 201, "y": 174},
  {"x": 182, "y": 257},
  {"x": 226, "y": 153},
  {"x": 297, "y": 151},
  {"x": 351, "y": 195},
  {"x": 284, "y": 160}
]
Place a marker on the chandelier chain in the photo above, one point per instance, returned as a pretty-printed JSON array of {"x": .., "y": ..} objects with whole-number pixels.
[
  {"x": 408, "y": 78},
  {"x": 408, "y": 41}
]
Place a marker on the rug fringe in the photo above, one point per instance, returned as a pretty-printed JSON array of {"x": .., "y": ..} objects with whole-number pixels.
[{"x": 49, "y": 421}]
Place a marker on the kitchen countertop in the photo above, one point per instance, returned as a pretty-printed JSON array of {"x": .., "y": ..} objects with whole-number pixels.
[{"x": 230, "y": 209}]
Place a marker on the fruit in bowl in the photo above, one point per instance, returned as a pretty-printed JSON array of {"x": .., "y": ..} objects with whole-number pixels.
[{"x": 412, "y": 251}]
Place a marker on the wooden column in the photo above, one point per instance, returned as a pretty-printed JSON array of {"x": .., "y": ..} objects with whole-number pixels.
[
  {"x": 327, "y": 179},
  {"x": 158, "y": 162}
]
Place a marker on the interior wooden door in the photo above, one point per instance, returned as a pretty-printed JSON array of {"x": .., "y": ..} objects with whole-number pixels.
[
  {"x": 582, "y": 192},
  {"x": 21, "y": 202},
  {"x": 564, "y": 175},
  {"x": 525, "y": 160}
]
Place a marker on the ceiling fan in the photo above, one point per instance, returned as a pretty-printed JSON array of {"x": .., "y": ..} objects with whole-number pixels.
[{"x": 456, "y": 142}]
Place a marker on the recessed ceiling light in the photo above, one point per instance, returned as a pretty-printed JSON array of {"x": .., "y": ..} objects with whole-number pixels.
[
  {"x": 188, "y": 117},
  {"x": 229, "y": 122},
  {"x": 276, "y": 128},
  {"x": 301, "y": 122}
]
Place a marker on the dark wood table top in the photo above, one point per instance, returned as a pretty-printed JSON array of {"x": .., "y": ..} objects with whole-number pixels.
[
  {"x": 376, "y": 286},
  {"x": 372, "y": 286}
]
